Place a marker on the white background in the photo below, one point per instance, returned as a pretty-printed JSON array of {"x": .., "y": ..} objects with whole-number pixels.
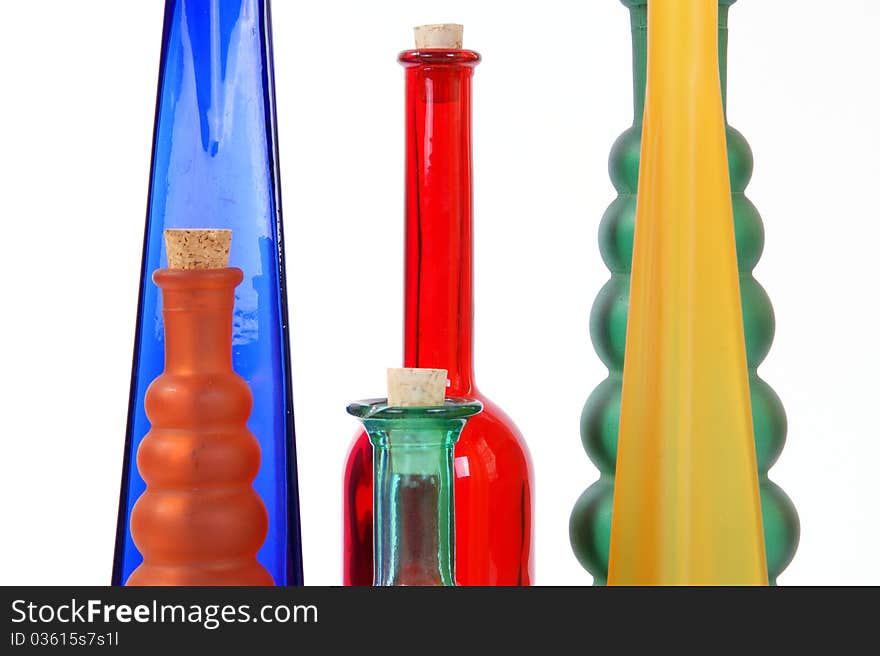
[{"x": 78, "y": 84}]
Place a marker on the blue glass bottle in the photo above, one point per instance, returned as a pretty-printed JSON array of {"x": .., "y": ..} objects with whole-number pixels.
[{"x": 215, "y": 164}]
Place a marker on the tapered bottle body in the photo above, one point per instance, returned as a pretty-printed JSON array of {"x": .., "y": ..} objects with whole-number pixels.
[
  {"x": 215, "y": 163},
  {"x": 492, "y": 468},
  {"x": 590, "y": 526},
  {"x": 686, "y": 505}
]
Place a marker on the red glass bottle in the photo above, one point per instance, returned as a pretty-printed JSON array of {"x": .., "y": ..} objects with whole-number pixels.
[{"x": 493, "y": 524}]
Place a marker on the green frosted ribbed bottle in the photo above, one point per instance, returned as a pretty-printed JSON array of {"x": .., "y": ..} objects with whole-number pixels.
[{"x": 590, "y": 525}]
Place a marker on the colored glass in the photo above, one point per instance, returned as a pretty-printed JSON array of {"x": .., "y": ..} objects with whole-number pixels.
[
  {"x": 414, "y": 527},
  {"x": 590, "y": 527},
  {"x": 492, "y": 468},
  {"x": 215, "y": 163},
  {"x": 200, "y": 521},
  {"x": 686, "y": 508}
]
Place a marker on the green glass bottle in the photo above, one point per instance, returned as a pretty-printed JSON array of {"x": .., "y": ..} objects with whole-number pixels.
[
  {"x": 590, "y": 525},
  {"x": 413, "y": 504}
]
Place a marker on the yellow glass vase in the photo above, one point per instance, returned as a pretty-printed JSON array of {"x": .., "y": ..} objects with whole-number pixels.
[{"x": 686, "y": 503}]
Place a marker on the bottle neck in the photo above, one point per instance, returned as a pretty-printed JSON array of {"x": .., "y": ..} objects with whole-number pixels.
[
  {"x": 438, "y": 325},
  {"x": 413, "y": 525},
  {"x": 197, "y": 311},
  {"x": 639, "y": 24}
]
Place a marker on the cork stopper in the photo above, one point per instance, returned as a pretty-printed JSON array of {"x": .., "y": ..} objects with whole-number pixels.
[
  {"x": 198, "y": 249},
  {"x": 416, "y": 387},
  {"x": 447, "y": 36}
]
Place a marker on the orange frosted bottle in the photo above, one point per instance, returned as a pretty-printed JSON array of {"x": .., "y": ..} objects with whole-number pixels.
[{"x": 200, "y": 521}]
